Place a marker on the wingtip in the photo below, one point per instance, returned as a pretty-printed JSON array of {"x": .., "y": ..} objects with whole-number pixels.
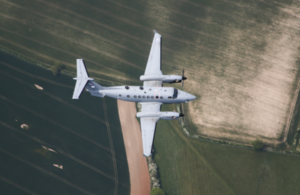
[{"x": 156, "y": 33}]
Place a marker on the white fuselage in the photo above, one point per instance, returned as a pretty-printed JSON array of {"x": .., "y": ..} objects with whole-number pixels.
[{"x": 165, "y": 95}]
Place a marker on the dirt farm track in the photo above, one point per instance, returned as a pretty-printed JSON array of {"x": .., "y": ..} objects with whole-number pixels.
[{"x": 138, "y": 168}]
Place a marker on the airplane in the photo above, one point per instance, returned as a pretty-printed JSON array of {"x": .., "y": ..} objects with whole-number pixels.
[{"x": 151, "y": 95}]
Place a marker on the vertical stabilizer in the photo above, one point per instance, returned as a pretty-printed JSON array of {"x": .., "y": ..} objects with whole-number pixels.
[{"x": 81, "y": 79}]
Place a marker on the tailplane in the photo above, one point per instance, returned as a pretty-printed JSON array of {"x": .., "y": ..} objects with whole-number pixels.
[{"x": 81, "y": 79}]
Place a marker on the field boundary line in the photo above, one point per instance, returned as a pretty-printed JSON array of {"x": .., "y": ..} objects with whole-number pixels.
[
  {"x": 55, "y": 123},
  {"x": 17, "y": 185},
  {"x": 59, "y": 151},
  {"x": 201, "y": 158},
  {"x": 291, "y": 112},
  {"x": 45, "y": 171},
  {"x": 111, "y": 146}
]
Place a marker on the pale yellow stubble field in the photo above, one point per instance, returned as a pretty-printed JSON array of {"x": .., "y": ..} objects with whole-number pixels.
[{"x": 247, "y": 90}]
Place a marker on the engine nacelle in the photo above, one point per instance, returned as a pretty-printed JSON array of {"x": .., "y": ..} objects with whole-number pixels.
[
  {"x": 163, "y": 78},
  {"x": 160, "y": 115}
]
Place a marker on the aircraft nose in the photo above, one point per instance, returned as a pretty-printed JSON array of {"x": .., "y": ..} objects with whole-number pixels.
[{"x": 191, "y": 97}]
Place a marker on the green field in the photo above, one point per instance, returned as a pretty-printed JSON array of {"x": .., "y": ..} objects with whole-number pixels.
[
  {"x": 76, "y": 130},
  {"x": 241, "y": 59},
  {"x": 190, "y": 166}
]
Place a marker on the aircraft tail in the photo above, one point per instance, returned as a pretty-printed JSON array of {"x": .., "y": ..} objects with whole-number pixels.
[
  {"x": 94, "y": 88},
  {"x": 81, "y": 79}
]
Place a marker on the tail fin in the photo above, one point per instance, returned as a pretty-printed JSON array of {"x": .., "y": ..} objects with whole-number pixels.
[
  {"x": 95, "y": 89},
  {"x": 81, "y": 80}
]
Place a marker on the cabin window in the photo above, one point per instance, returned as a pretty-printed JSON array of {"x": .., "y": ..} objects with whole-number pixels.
[
  {"x": 161, "y": 97},
  {"x": 139, "y": 96},
  {"x": 170, "y": 97},
  {"x": 143, "y": 96},
  {"x": 152, "y": 97},
  {"x": 144, "y": 91},
  {"x": 128, "y": 96},
  {"x": 134, "y": 96},
  {"x": 126, "y": 87},
  {"x": 120, "y": 95},
  {"x": 156, "y": 97},
  {"x": 141, "y": 87},
  {"x": 148, "y": 96}
]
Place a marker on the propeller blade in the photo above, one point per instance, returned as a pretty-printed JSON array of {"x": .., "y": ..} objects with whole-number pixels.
[{"x": 183, "y": 78}]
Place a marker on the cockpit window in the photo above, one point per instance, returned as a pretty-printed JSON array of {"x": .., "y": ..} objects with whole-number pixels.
[{"x": 175, "y": 94}]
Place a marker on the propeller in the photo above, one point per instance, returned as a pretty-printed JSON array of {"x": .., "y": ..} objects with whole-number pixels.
[
  {"x": 180, "y": 118},
  {"x": 183, "y": 78}
]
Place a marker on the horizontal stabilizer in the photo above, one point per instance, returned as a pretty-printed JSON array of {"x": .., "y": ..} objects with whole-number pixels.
[{"x": 81, "y": 79}]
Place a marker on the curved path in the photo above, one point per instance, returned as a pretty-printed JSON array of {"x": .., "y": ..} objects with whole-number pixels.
[{"x": 138, "y": 168}]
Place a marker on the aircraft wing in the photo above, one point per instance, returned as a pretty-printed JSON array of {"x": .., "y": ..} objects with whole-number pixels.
[
  {"x": 154, "y": 61},
  {"x": 148, "y": 126}
]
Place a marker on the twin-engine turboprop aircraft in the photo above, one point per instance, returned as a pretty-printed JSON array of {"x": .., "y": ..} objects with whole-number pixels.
[{"x": 151, "y": 95}]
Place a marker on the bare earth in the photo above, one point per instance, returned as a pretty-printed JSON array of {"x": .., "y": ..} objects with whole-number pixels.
[{"x": 138, "y": 168}]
